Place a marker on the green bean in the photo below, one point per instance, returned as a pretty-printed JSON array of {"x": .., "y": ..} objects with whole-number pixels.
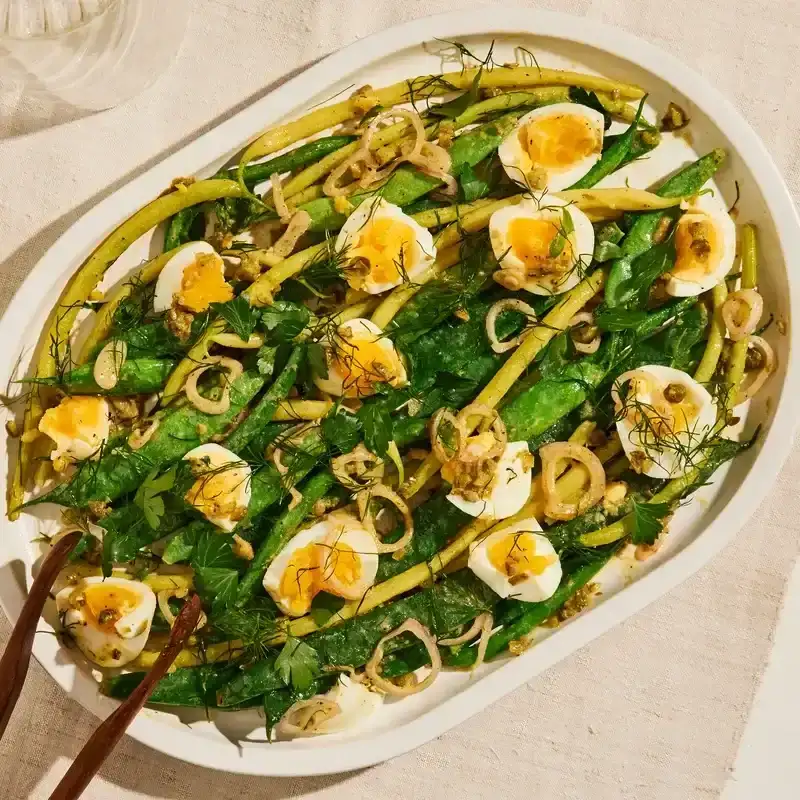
[
  {"x": 614, "y": 157},
  {"x": 284, "y": 529},
  {"x": 708, "y": 461},
  {"x": 408, "y": 184},
  {"x": 179, "y": 227},
  {"x": 641, "y": 236},
  {"x": 136, "y": 376}
]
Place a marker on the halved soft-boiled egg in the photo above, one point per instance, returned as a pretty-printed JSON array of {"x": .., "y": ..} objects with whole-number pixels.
[
  {"x": 221, "y": 490},
  {"x": 517, "y": 561},
  {"x": 384, "y": 246},
  {"x": 337, "y": 555},
  {"x": 543, "y": 245},
  {"x": 359, "y": 356},
  {"x": 506, "y": 490},
  {"x": 192, "y": 279},
  {"x": 664, "y": 420},
  {"x": 554, "y": 146},
  {"x": 79, "y": 426},
  {"x": 705, "y": 249},
  {"x": 109, "y": 618}
]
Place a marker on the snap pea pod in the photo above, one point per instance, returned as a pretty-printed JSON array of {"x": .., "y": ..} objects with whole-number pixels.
[
  {"x": 408, "y": 184},
  {"x": 543, "y": 404},
  {"x": 136, "y": 376},
  {"x": 260, "y": 416},
  {"x": 612, "y": 158},
  {"x": 180, "y": 225},
  {"x": 442, "y": 608},
  {"x": 120, "y": 469},
  {"x": 534, "y": 614},
  {"x": 640, "y": 237},
  {"x": 179, "y": 228},
  {"x": 284, "y": 529}
]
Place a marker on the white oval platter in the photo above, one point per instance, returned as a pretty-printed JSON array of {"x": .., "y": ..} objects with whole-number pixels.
[{"x": 237, "y": 742}]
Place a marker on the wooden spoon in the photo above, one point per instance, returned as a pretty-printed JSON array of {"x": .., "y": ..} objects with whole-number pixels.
[
  {"x": 17, "y": 657},
  {"x": 105, "y": 738}
]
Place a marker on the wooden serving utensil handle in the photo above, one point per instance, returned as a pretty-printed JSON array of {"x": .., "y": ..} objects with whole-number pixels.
[
  {"x": 105, "y": 738},
  {"x": 17, "y": 657}
]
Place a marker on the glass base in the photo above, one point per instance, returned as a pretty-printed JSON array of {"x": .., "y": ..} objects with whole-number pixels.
[{"x": 109, "y": 57}]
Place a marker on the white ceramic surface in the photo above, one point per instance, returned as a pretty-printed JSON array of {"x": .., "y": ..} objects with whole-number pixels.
[{"x": 235, "y": 742}]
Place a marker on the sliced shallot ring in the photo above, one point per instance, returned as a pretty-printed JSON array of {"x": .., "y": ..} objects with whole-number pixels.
[
  {"x": 468, "y": 635},
  {"x": 163, "y": 598},
  {"x": 108, "y": 364},
  {"x": 551, "y": 455},
  {"x": 486, "y": 633},
  {"x": 298, "y": 225},
  {"x": 277, "y": 455},
  {"x": 362, "y": 478},
  {"x": 382, "y": 490},
  {"x": 416, "y": 628},
  {"x": 585, "y": 347},
  {"x": 140, "y": 437},
  {"x": 767, "y": 368},
  {"x": 731, "y": 308},
  {"x": 508, "y": 304},
  {"x": 440, "y": 416},
  {"x": 497, "y": 425},
  {"x": 295, "y": 722},
  {"x": 281, "y": 206},
  {"x": 234, "y": 370}
]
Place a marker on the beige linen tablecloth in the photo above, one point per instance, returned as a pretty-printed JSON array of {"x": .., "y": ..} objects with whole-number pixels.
[{"x": 655, "y": 708}]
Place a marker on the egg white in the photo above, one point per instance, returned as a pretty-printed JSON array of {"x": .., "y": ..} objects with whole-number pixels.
[
  {"x": 550, "y": 208},
  {"x": 721, "y": 262},
  {"x": 126, "y": 642},
  {"x": 356, "y": 705},
  {"x": 339, "y": 382},
  {"x": 518, "y": 163},
  {"x": 511, "y": 489},
  {"x": 534, "y": 588},
  {"x": 224, "y": 466},
  {"x": 92, "y": 432},
  {"x": 665, "y": 461},
  {"x": 338, "y": 527},
  {"x": 423, "y": 252},
  {"x": 171, "y": 278}
]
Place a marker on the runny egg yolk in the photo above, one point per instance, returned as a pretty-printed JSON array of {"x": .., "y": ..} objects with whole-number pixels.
[
  {"x": 362, "y": 363},
  {"x": 341, "y": 565},
  {"x": 698, "y": 246},
  {"x": 301, "y": 578},
  {"x": 203, "y": 283},
  {"x": 532, "y": 241},
  {"x": 386, "y": 246},
  {"x": 74, "y": 416},
  {"x": 104, "y": 605},
  {"x": 214, "y": 493},
  {"x": 515, "y": 556},
  {"x": 558, "y": 141}
]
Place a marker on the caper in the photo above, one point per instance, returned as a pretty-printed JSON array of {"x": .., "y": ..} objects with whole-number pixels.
[
  {"x": 584, "y": 333},
  {"x": 754, "y": 360},
  {"x": 675, "y": 392}
]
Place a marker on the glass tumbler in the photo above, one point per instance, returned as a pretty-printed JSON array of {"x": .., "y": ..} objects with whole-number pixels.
[{"x": 87, "y": 54}]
